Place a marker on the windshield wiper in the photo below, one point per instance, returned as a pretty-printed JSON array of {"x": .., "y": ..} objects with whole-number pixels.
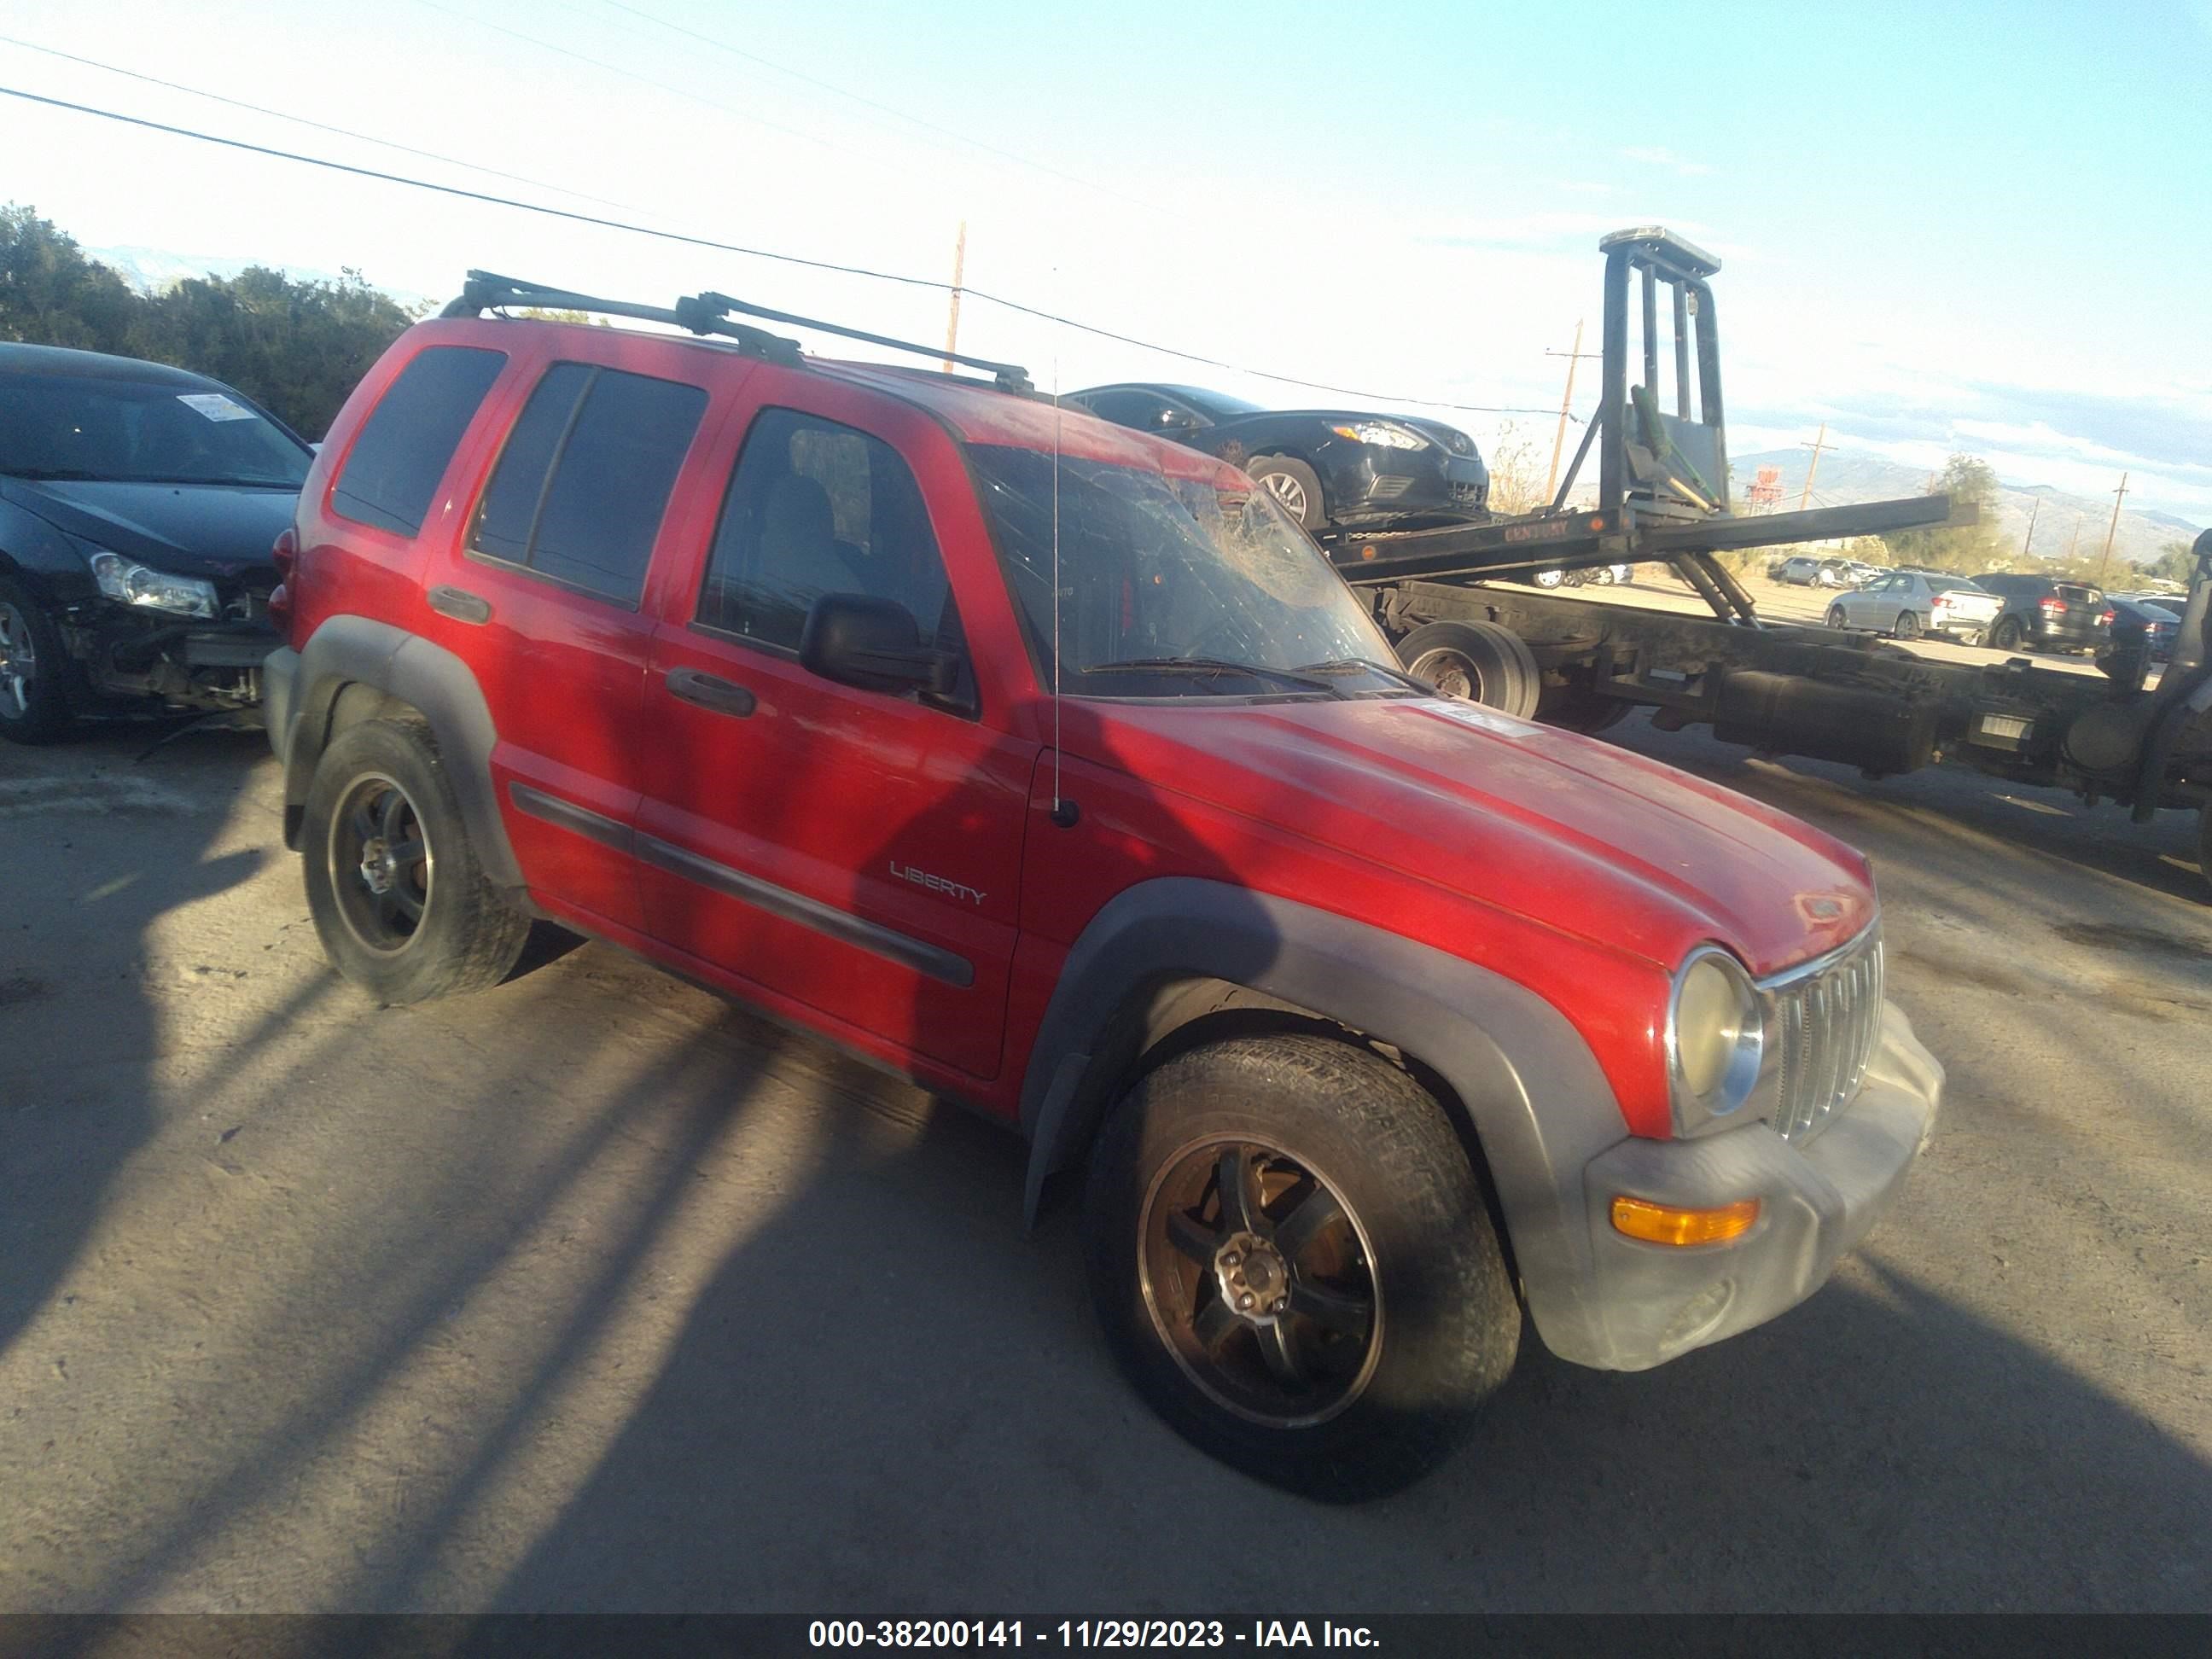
[
  {"x": 1289, "y": 677},
  {"x": 1345, "y": 665}
]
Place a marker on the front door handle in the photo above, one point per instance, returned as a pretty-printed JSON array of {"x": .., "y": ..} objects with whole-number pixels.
[{"x": 710, "y": 691}]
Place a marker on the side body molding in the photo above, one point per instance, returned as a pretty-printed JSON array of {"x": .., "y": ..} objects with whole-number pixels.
[
  {"x": 354, "y": 651},
  {"x": 1537, "y": 1101}
]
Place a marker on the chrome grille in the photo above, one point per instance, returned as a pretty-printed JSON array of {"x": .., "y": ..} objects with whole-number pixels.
[{"x": 1827, "y": 1017}]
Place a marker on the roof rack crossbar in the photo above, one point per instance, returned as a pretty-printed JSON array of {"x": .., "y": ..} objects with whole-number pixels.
[
  {"x": 1011, "y": 377},
  {"x": 708, "y": 314},
  {"x": 485, "y": 290}
]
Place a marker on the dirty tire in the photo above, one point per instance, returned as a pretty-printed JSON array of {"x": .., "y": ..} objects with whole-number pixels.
[
  {"x": 1836, "y": 617},
  {"x": 2007, "y": 635},
  {"x": 1906, "y": 627},
  {"x": 1445, "y": 1322},
  {"x": 34, "y": 705},
  {"x": 1294, "y": 484},
  {"x": 467, "y": 936},
  {"x": 1478, "y": 661}
]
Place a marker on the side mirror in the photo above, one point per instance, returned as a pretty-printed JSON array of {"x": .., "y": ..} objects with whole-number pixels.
[{"x": 875, "y": 644}]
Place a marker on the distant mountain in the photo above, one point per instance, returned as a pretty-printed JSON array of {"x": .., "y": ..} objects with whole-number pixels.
[
  {"x": 151, "y": 270},
  {"x": 1849, "y": 475}
]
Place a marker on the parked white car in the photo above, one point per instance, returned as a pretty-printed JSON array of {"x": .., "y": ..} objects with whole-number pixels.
[{"x": 1907, "y": 603}]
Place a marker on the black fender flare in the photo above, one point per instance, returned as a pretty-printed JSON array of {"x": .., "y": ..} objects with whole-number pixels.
[
  {"x": 347, "y": 650},
  {"x": 1536, "y": 1100}
]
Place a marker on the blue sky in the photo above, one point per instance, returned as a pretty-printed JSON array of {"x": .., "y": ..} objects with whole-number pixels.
[{"x": 1971, "y": 228}]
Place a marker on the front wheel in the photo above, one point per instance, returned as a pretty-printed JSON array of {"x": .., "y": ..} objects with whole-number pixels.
[
  {"x": 35, "y": 669},
  {"x": 1295, "y": 485},
  {"x": 398, "y": 893},
  {"x": 1836, "y": 617},
  {"x": 1292, "y": 1259}
]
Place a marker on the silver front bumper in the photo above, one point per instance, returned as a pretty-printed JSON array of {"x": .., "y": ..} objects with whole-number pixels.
[{"x": 1646, "y": 1303}]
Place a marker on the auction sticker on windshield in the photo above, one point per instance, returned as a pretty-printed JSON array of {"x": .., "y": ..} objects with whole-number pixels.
[{"x": 214, "y": 405}]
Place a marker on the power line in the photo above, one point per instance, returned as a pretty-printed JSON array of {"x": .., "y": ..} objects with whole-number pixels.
[
  {"x": 605, "y": 223},
  {"x": 886, "y": 109},
  {"x": 301, "y": 121}
]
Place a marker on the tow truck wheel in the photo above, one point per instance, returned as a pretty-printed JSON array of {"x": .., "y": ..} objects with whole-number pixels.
[
  {"x": 1293, "y": 483},
  {"x": 34, "y": 705},
  {"x": 1477, "y": 661},
  {"x": 1294, "y": 1261},
  {"x": 396, "y": 890}
]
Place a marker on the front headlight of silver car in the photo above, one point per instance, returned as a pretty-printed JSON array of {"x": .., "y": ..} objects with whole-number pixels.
[
  {"x": 1715, "y": 1039},
  {"x": 1386, "y": 434},
  {"x": 129, "y": 582}
]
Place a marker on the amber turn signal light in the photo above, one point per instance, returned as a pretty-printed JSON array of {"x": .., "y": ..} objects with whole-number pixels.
[{"x": 1665, "y": 1224}]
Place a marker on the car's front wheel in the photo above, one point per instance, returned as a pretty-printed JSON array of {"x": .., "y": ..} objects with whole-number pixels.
[
  {"x": 1836, "y": 617},
  {"x": 397, "y": 893},
  {"x": 1293, "y": 483},
  {"x": 35, "y": 669},
  {"x": 1294, "y": 1262}
]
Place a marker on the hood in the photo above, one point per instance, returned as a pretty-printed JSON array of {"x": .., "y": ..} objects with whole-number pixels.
[
  {"x": 221, "y": 532},
  {"x": 1563, "y": 830},
  {"x": 1456, "y": 442}
]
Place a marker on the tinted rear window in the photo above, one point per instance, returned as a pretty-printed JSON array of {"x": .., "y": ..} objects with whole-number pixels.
[
  {"x": 2074, "y": 595},
  {"x": 579, "y": 490},
  {"x": 393, "y": 468}
]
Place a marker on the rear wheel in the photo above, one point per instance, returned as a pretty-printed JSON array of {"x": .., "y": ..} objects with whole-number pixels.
[
  {"x": 35, "y": 669},
  {"x": 2007, "y": 633},
  {"x": 397, "y": 892},
  {"x": 1293, "y": 483},
  {"x": 1906, "y": 627},
  {"x": 1477, "y": 661},
  {"x": 1294, "y": 1263}
]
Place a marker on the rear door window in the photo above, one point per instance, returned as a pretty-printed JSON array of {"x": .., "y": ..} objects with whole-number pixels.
[
  {"x": 2079, "y": 595},
  {"x": 392, "y": 471},
  {"x": 582, "y": 486}
]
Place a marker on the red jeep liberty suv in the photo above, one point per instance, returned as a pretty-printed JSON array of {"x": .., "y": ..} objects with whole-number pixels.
[{"x": 1050, "y": 765}]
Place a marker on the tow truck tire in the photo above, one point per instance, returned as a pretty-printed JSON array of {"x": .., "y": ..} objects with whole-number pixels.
[
  {"x": 382, "y": 806},
  {"x": 1294, "y": 484},
  {"x": 1386, "y": 1316},
  {"x": 1477, "y": 661},
  {"x": 35, "y": 700}
]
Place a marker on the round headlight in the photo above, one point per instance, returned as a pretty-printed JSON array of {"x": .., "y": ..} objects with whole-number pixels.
[{"x": 1715, "y": 1037}]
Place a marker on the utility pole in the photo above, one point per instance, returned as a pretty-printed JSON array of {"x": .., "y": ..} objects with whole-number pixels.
[
  {"x": 953, "y": 312},
  {"x": 2105, "y": 558},
  {"x": 2074, "y": 539},
  {"x": 1816, "y": 446},
  {"x": 2035, "y": 507},
  {"x": 1567, "y": 403}
]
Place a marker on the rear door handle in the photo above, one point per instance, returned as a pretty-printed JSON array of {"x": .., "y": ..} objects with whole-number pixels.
[
  {"x": 710, "y": 691},
  {"x": 460, "y": 605}
]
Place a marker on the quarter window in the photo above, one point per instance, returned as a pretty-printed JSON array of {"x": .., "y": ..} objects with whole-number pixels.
[
  {"x": 392, "y": 472},
  {"x": 815, "y": 508},
  {"x": 579, "y": 490}
]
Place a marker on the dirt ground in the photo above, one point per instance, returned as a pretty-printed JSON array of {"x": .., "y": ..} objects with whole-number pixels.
[{"x": 593, "y": 1293}]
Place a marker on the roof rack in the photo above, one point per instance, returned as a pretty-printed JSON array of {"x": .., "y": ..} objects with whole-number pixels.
[{"x": 708, "y": 313}]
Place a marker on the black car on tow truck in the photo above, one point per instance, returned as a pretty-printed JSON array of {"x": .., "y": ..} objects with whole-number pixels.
[
  {"x": 138, "y": 507},
  {"x": 1326, "y": 467}
]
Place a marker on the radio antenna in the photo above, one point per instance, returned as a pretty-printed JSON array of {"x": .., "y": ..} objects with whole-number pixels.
[{"x": 1062, "y": 813}]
